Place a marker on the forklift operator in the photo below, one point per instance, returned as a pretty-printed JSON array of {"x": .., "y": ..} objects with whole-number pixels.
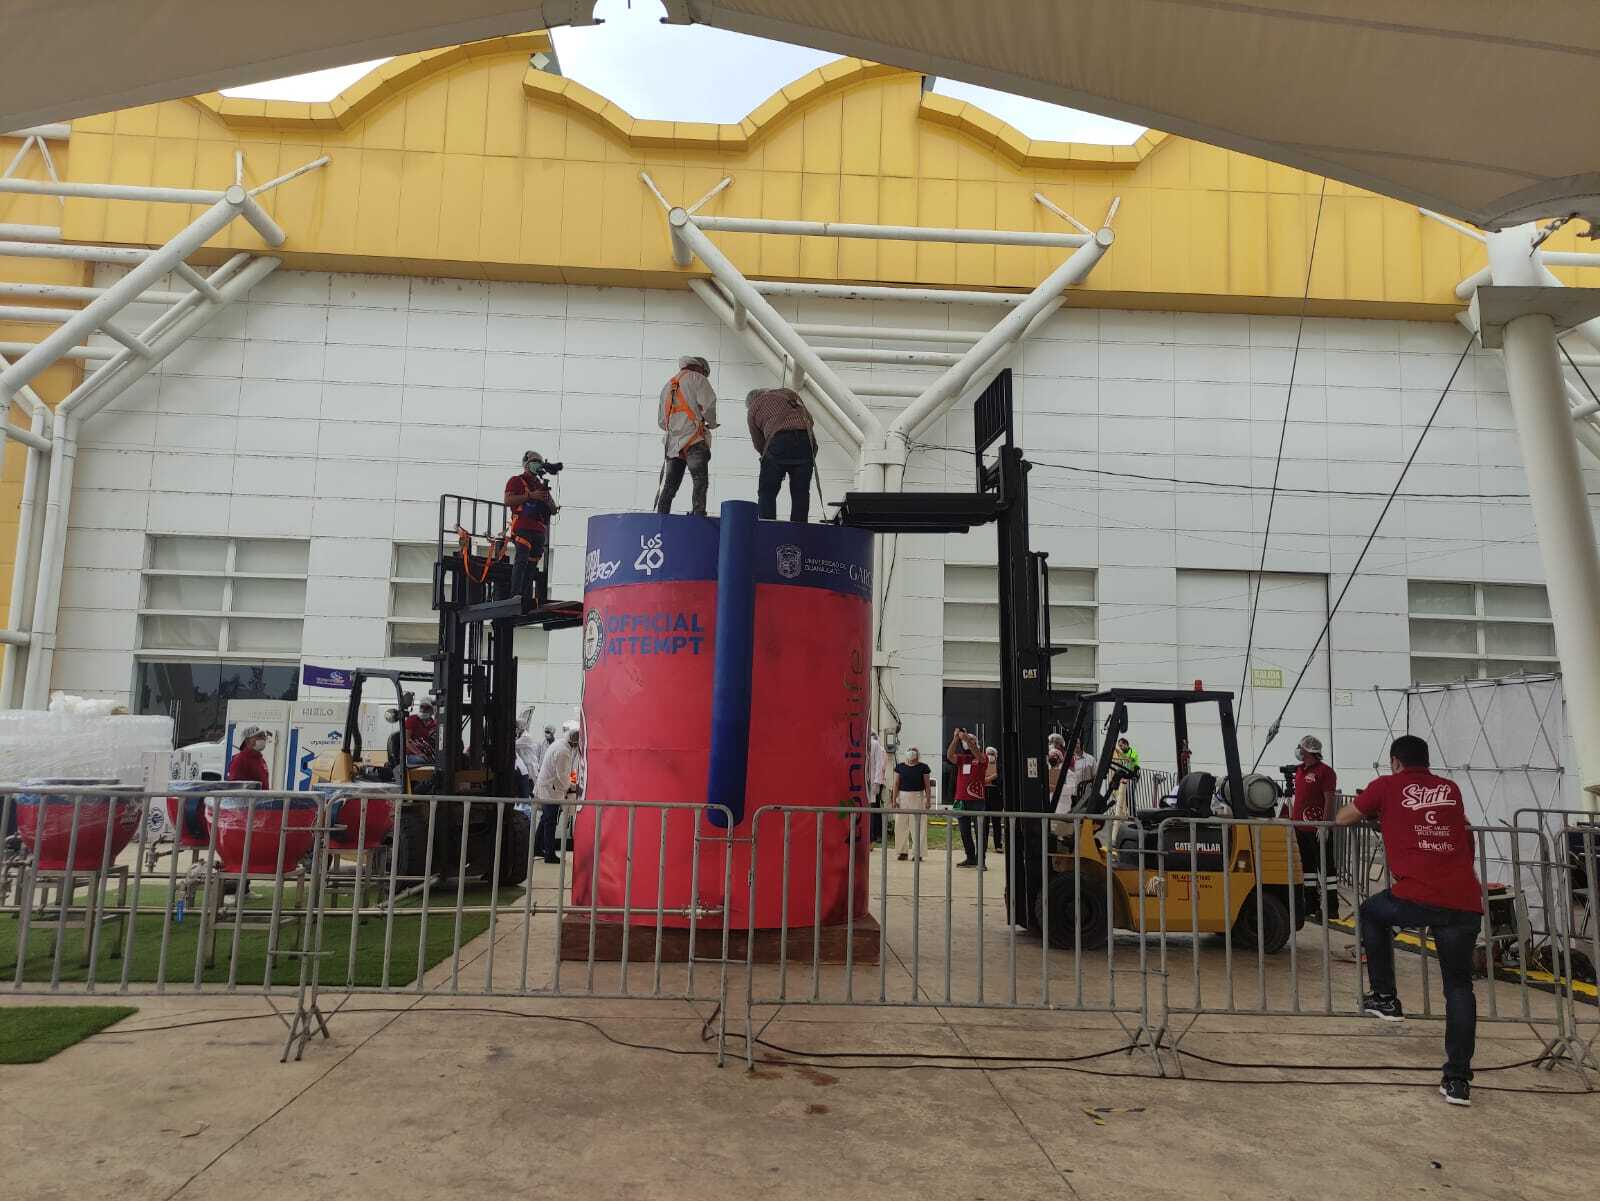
[{"x": 528, "y": 497}]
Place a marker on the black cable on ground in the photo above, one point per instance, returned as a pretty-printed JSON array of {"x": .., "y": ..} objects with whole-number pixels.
[
  {"x": 932, "y": 1060},
  {"x": 1277, "y": 462},
  {"x": 1355, "y": 569}
]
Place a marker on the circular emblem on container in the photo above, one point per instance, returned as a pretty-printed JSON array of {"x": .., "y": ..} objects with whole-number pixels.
[{"x": 594, "y": 638}]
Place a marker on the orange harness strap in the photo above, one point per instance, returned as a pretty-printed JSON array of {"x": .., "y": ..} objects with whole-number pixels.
[
  {"x": 679, "y": 404},
  {"x": 496, "y": 552}
]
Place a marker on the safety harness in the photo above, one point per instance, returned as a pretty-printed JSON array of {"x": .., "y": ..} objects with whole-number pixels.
[{"x": 680, "y": 404}]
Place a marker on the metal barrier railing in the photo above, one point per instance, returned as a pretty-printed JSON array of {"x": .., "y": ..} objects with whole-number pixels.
[
  {"x": 293, "y": 894},
  {"x": 1158, "y": 920},
  {"x": 947, "y": 950}
]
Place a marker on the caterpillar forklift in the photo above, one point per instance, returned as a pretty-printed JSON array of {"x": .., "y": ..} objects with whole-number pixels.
[
  {"x": 1171, "y": 863},
  {"x": 474, "y": 685},
  {"x": 1069, "y": 878}
]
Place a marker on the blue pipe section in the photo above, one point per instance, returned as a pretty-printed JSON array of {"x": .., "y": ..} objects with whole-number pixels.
[{"x": 732, "y": 667}]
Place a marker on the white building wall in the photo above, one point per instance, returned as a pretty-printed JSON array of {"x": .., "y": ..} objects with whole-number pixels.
[{"x": 337, "y": 409}]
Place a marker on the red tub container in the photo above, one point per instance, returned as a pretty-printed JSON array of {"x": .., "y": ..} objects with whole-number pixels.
[
  {"x": 44, "y": 823},
  {"x": 188, "y": 806},
  {"x": 262, "y": 821},
  {"x": 346, "y": 804}
]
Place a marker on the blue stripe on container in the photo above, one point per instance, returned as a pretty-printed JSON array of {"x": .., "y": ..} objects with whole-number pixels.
[{"x": 731, "y": 671}]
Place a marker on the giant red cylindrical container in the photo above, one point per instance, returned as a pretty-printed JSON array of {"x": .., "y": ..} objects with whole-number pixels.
[
  {"x": 188, "y": 805},
  {"x": 44, "y": 823},
  {"x": 649, "y": 642}
]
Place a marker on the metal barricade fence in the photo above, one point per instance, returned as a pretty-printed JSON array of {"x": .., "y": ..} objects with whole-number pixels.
[
  {"x": 1158, "y": 921},
  {"x": 1285, "y": 977},
  {"x": 1570, "y": 953},
  {"x": 362, "y": 893},
  {"x": 937, "y": 935}
]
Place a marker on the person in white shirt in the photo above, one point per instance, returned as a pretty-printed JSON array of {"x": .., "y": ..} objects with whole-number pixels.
[
  {"x": 875, "y": 778},
  {"x": 555, "y": 782},
  {"x": 529, "y": 751},
  {"x": 1079, "y": 776}
]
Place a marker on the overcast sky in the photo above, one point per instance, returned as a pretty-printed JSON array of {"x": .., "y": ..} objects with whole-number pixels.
[{"x": 695, "y": 73}]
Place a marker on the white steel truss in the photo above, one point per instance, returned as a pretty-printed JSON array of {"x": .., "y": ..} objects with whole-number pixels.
[
  {"x": 157, "y": 276},
  {"x": 969, "y": 359},
  {"x": 1524, "y": 241}
]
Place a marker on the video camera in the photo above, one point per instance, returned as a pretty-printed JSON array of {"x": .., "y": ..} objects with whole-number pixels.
[{"x": 547, "y": 468}]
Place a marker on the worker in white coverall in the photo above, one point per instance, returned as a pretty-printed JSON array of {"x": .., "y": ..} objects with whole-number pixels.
[
  {"x": 688, "y": 414},
  {"x": 557, "y": 781}
]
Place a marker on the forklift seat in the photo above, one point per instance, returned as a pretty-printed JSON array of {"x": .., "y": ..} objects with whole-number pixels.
[{"x": 1195, "y": 793}]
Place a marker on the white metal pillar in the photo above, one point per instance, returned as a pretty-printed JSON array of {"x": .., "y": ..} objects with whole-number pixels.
[
  {"x": 1566, "y": 527},
  {"x": 1519, "y": 312}
]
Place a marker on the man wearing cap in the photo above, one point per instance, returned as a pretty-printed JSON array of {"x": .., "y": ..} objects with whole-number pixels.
[
  {"x": 528, "y": 497},
  {"x": 248, "y": 763},
  {"x": 1316, "y": 790},
  {"x": 688, "y": 414}
]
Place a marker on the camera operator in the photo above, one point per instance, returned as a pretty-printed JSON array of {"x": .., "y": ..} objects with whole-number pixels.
[{"x": 531, "y": 504}]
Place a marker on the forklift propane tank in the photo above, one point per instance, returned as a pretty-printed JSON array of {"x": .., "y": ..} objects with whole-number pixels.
[{"x": 1260, "y": 795}]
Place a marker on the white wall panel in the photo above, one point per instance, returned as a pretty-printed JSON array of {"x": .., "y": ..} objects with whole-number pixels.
[{"x": 338, "y": 407}]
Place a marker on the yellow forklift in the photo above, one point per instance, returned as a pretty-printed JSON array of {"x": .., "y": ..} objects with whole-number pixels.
[{"x": 1173, "y": 862}]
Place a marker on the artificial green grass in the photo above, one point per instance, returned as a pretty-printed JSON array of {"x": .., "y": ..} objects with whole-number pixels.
[
  {"x": 33, "y": 1033},
  {"x": 183, "y": 942}
]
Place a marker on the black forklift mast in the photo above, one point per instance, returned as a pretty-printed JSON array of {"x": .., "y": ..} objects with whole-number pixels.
[
  {"x": 1027, "y": 704},
  {"x": 475, "y": 665}
]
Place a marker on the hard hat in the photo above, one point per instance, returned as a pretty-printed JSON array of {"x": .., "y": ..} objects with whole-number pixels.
[
  {"x": 694, "y": 362},
  {"x": 249, "y": 732},
  {"x": 1311, "y": 744}
]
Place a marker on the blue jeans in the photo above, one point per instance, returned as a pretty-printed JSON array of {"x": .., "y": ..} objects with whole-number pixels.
[
  {"x": 788, "y": 455},
  {"x": 1455, "y": 933},
  {"x": 544, "y": 836}
]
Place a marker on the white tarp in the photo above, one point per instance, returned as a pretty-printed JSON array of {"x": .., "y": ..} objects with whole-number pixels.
[{"x": 1482, "y": 110}]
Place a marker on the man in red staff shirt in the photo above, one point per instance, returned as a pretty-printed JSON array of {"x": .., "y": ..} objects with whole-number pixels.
[
  {"x": 966, "y": 755},
  {"x": 1316, "y": 790},
  {"x": 1430, "y": 853},
  {"x": 528, "y": 497}
]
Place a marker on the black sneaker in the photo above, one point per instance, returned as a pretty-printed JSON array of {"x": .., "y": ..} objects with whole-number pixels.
[
  {"x": 968, "y": 863},
  {"x": 1456, "y": 1092},
  {"x": 1380, "y": 1006}
]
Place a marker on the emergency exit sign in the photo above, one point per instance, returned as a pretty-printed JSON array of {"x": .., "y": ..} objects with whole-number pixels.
[{"x": 1266, "y": 677}]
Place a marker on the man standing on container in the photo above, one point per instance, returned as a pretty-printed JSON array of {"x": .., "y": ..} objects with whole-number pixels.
[
  {"x": 688, "y": 414},
  {"x": 1430, "y": 853},
  {"x": 780, "y": 430}
]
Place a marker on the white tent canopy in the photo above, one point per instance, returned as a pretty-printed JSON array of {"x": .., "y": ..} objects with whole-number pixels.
[{"x": 1475, "y": 108}]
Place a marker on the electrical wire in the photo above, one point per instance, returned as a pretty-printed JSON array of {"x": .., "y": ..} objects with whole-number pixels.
[
  {"x": 1355, "y": 569},
  {"x": 1236, "y": 486},
  {"x": 1277, "y": 462},
  {"x": 1584, "y": 379},
  {"x": 911, "y": 1061}
]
